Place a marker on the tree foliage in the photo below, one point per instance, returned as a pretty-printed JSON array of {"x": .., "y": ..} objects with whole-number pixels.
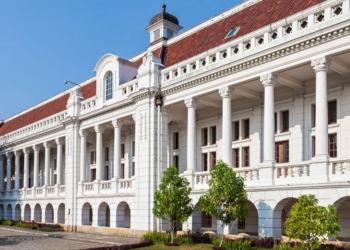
[
  {"x": 311, "y": 223},
  {"x": 172, "y": 201},
  {"x": 226, "y": 198}
]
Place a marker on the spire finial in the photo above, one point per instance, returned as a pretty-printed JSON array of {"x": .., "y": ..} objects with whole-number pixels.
[{"x": 164, "y": 7}]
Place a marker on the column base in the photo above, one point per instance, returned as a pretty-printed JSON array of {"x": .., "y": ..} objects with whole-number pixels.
[
  {"x": 267, "y": 173},
  {"x": 319, "y": 169}
]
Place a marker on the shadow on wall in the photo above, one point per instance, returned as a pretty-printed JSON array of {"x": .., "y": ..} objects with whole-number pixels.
[{"x": 265, "y": 219}]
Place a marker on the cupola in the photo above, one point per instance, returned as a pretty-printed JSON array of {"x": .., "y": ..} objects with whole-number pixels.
[{"x": 163, "y": 25}]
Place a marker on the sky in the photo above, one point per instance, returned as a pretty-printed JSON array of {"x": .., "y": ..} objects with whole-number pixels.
[{"x": 45, "y": 42}]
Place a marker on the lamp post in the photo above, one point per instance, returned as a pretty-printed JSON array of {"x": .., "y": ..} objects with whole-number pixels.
[
  {"x": 159, "y": 103},
  {"x": 66, "y": 81}
]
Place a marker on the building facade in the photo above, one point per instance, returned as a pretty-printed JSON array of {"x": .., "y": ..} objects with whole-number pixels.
[{"x": 263, "y": 86}]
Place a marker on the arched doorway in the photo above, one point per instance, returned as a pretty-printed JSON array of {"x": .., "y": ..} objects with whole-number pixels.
[
  {"x": 27, "y": 213},
  {"x": 2, "y": 212},
  {"x": 49, "y": 215},
  {"x": 249, "y": 225},
  {"x": 17, "y": 212},
  {"x": 280, "y": 214},
  {"x": 61, "y": 214},
  {"x": 9, "y": 212},
  {"x": 104, "y": 216},
  {"x": 343, "y": 211},
  {"x": 123, "y": 215},
  {"x": 197, "y": 218},
  {"x": 37, "y": 213},
  {"x": 86, "y": 214}
]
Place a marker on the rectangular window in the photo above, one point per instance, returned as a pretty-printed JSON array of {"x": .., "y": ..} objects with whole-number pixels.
[
  {"x": 93, "y": 174},
  {"x": 313, "y": 145},
  {"x": 213, "y": 135},
  {"x": 106, "y": 154},
  {"x": 205, "y": 161},
  {"x": 285, "y": 121},
  {"x": 55, "y": 164},
  {"x": 205, "y": 137},
  {"x": 206, "y": 220},
  {"x": 332, "y": 112},
  {"x": 132, "y": 168},
  {"x": 275, "y": 123},
  {"x": 246, "y": 158},
  {"x": 282, "y": 152},
  {"x": 236, "y": 131},
  {"x": 93, "y": 157},
  {"x": 176, "y": 140},
  {"x": 241, "y": 224},
  {"x": 122, "y": 151},
  {"x": 156, "y": 34},
  {"x": 332, "y": 145},
  {"x": 133, "y": 149},
  {"x": 313, "y": 115},
  {"x": 246, "y": 131},
  {"x": 176, "y": 161},
  {"x": 122, "y": 173},
  {"x": 236, "y": 157},
  {"x": 212, "y": 159}
]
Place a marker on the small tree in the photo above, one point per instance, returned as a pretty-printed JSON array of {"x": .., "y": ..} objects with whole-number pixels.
[
  {"x": 226, "y": 198},
  {"x": 311, "y": 223},
  {"x": 172, "y": 201}
]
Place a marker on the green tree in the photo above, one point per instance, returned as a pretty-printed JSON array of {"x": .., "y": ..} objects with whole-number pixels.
[
  {"x": 226, "y": 198},
  {"x": 311, "y": 223},
  {"x": 172, "y": 201}
]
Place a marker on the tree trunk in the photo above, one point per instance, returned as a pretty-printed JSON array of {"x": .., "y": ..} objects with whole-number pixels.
[
  {"x": 172, "y": 232},
  {"x": 222, "y": 233}
]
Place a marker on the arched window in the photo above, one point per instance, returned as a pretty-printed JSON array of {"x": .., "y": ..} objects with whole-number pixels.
[{"x": 109, "y": 86}]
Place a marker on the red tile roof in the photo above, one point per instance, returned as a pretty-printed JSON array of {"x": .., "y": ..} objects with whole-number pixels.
[
  {"x": 250, "y": 19},
  {"x": 46, "y": 110}
]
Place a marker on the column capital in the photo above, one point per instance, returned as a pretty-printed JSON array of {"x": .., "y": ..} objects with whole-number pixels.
[
  {"x": 47, "y": 144},
  {"x": 321, "y": 64},
  {"x": 268, "y": 79},
  {"x": 59, "y": 141},
  {"x": 17, "y": 153},
  {"x": 225, "y": 92},
  {"x": 84, "y": 133},
  {"x": 9, "y": 155},
  {"x": 117, "y": 123},
  {"x": 191, "y": 102},
  {"x": 36, "y": 148},
  {"x": 26, "y": 150},
  {"x": 99, "y": 128}
]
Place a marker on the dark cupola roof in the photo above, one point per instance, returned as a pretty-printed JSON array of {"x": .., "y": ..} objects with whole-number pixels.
[{"x": 164, "y": 16}]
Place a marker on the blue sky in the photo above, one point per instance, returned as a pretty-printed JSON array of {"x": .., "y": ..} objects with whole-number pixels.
[{"x": 45, "y": 42}]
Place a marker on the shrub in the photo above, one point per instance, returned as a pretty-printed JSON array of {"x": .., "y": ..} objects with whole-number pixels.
[
  {"x": 8, "y": 223},
  {"x": 157, "y": 237},
  {"x": 233, "y": 244},
  {"x": 144, "y": 243},
  {"x": 267, "y": 242},
  {"x": 288, "y": 246}
]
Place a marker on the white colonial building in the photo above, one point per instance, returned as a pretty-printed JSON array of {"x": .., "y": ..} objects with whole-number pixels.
[{"x": 265, "y": 86}]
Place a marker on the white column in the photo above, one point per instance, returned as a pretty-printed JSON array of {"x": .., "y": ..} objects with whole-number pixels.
[
  {"x": 117, "y": 124},
  {"x": 83, "y": 134},
  {"x": 47, "y": 146},
  {"x": 191, "y": 104},
  {"x": 268, "y": 81},
  {"x": 226, "y": 94},
  {"x": 99, "y": 151},
  {"x": 36, "y": 149},
  {"x": 26, "y": 168},
  {"x": 59, "y": 142},
  {"x": 321, "y": 66},
  {"x": 8, "y": 172},
  {"x": 17, "y": 155},
  {"x": 1, "y": 172}
]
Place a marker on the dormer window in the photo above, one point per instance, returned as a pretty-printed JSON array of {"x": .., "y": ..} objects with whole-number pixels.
[
  {"x": 109, "y": 86},
  {"x": 232, "y": 32}
]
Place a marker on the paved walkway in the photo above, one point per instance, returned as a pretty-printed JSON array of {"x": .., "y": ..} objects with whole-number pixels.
[{"x": 22, "y": 238}]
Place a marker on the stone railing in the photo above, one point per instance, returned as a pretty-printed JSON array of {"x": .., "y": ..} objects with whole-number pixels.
[
  {"x": 248, "y": 173},
  {"x": 33, "y": 128},
  {"x": 339, "y": 169},
  {"x": 127, "y": 88},
  {"x": 38, "y": 192},
  {"x": 113, "y": 186},
  {"x": 292, "y": 172},
  {"x": 88, "y": 105}
]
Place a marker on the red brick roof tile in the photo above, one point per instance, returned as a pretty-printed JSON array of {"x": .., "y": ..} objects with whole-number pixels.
[
  {"x": 250, "y": 19},
  {"x": 46, "y": 110}
]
